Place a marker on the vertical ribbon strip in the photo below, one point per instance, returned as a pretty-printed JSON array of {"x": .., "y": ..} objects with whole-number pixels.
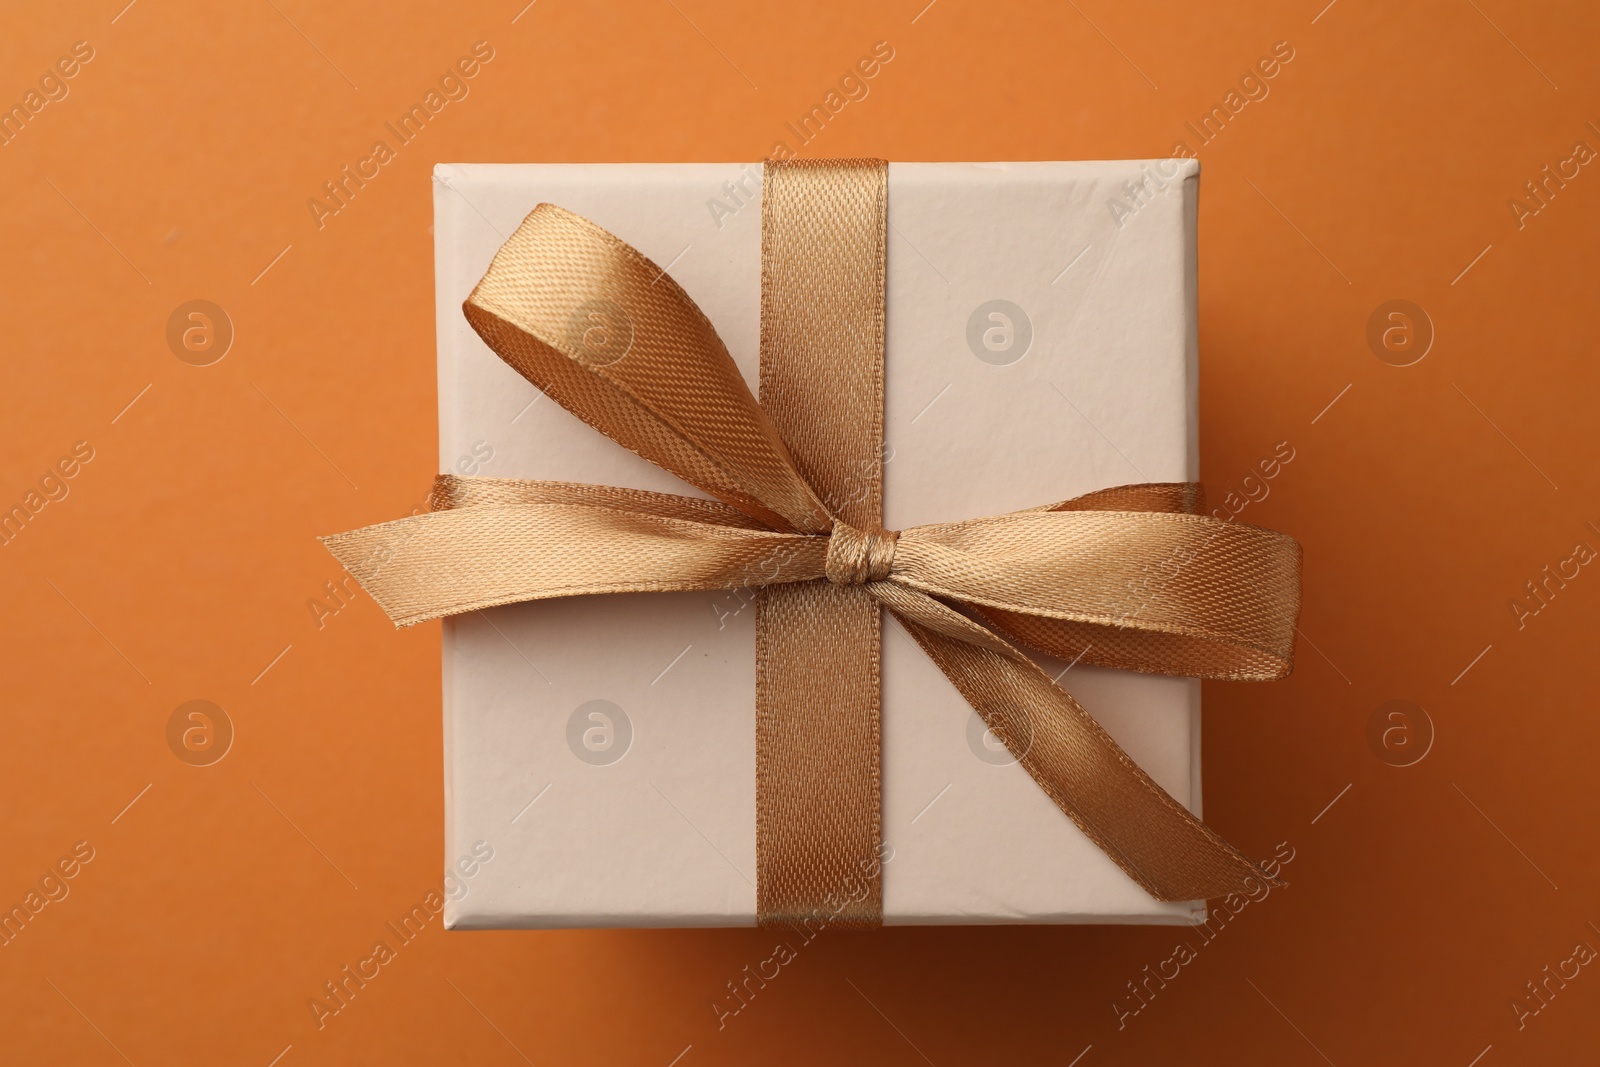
[{"x": 818, "y": 822}]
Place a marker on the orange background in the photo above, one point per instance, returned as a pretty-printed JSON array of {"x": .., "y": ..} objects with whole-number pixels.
[{"x": 180, "y": 564}]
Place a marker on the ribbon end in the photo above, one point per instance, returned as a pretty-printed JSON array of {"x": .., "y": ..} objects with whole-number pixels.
[{"x": 361, "y": 557}]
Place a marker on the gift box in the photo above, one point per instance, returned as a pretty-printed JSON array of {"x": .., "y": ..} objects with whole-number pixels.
[{"x": 1041, "y": 343}]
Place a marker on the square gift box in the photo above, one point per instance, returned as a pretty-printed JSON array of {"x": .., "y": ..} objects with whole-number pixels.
[{"x": 1041, "y": 343}]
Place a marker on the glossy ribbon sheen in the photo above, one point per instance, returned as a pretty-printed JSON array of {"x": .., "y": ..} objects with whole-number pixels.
[{"x": 1135, "y": 577}]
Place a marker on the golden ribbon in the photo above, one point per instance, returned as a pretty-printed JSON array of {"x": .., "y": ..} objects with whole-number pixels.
[{"x": 1135, "y": 577}]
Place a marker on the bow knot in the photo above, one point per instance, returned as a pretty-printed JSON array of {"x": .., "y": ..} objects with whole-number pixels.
[{"x": 856, "y": 557}]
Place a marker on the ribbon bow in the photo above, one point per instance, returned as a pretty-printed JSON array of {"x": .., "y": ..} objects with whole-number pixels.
[{"x": 1134, "y": 577}]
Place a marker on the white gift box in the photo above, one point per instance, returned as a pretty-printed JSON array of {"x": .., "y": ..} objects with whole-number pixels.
[{"x": 1042, "y": 343}]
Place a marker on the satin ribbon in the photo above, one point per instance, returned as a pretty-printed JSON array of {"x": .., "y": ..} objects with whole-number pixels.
[{"x": 1136, "y": 577}]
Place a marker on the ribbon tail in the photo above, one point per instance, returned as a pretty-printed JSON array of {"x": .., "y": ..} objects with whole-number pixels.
[
  {"x": 1152, "y": 652},
  {"x": 464, "y": 559},
  {"x": 1153, "y": 838},
  {"x": 1146, "y": 590}
]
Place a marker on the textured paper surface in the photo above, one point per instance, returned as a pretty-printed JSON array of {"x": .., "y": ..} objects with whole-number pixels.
[{"x": 652, "y": 822}]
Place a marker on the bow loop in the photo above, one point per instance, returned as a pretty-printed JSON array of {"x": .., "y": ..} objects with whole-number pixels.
[{"x": 614, "y": 340}]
